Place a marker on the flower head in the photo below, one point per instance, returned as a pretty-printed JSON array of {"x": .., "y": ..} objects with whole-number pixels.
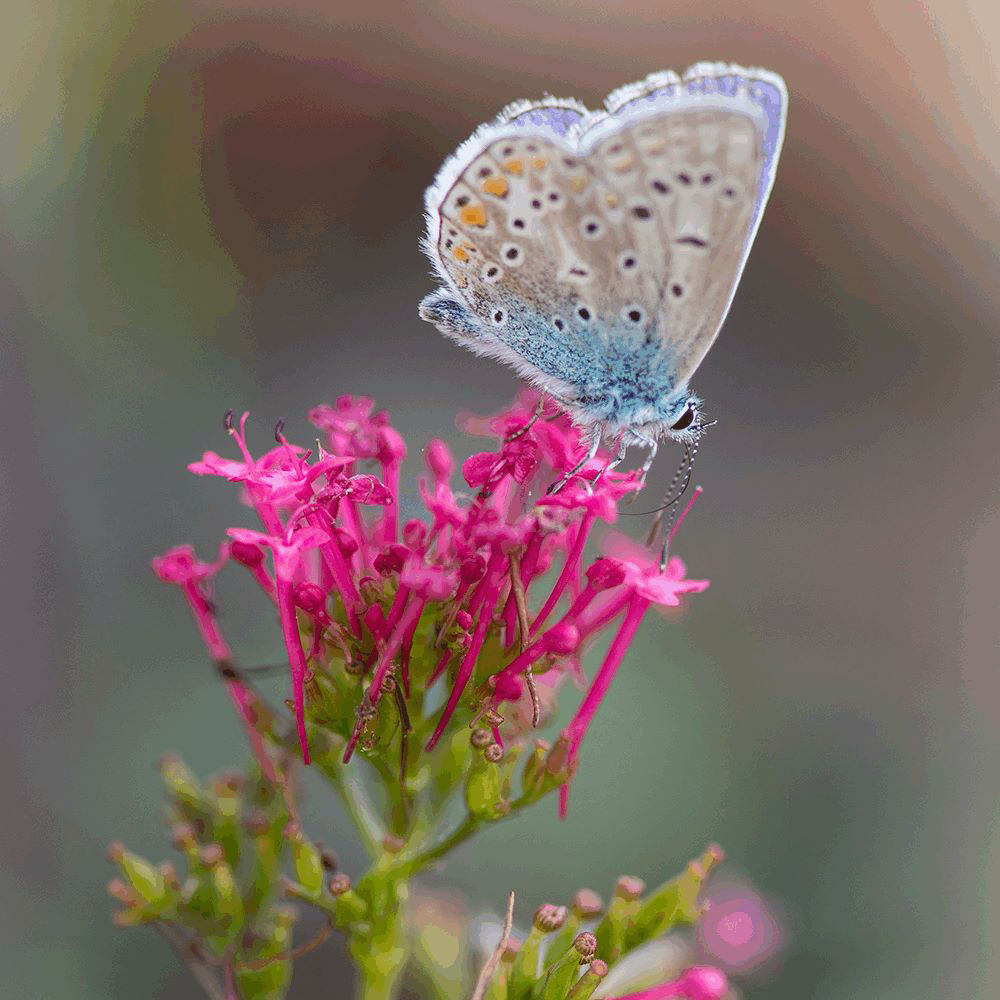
[{"x": 375, "y": 613}]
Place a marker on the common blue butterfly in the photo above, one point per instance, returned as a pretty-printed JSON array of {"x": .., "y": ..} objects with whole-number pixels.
[{"x": 598, "y": 252}]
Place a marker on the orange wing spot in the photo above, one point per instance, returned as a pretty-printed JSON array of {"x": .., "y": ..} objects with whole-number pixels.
[
  {"x": 514, "y": 166},
  {"x": 611, "y": 199},
  {"x": 496, "y": 186},
  {"x": 623, "y": 164},
  {"x": 578, "y": 183},
  {"x": 460, "y": 254},
  {"x": 461, "y": 281},
  {"x": 540, "y": 163},
  {"x": 473, "y": 215}
]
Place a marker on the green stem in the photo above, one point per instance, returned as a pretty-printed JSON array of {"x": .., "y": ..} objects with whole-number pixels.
[
  {"x": 407, "y": 867},
  {"x": 360, "y": 808}
]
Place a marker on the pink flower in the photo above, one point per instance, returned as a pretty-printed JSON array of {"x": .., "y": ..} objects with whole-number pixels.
[
  {"x": 460, "y": 596},
  {"x": 700, "y": 982}
]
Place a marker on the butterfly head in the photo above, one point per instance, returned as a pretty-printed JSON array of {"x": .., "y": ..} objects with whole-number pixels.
[{"x": 678, "y": 418}]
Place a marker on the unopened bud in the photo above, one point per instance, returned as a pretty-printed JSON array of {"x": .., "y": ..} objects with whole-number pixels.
[
  {"x": 392, "y": 844},
  {"x": 493, "y": 753},
  {"x": 629, "y": 887},
  {"x": 310, "y": 597},
  {"x": 339, "y": 884},
  {"x": 256, "y": 822},
  {"x": 414, "y": 534},
  {"x": 605, "y": 573},
  {"x": 439, "y": 460},
  {"x": 211, "y": 855},
  {"x": 247, "y": 553},
  {"x": 585, "y": 986},
  {"x": 586, "y": 944},
  {"x": 587, "y": 904},
  {"x": 549, "y": 918},
  {"x": 480, "y": 738},
  {"x": 472, "y": 569}
]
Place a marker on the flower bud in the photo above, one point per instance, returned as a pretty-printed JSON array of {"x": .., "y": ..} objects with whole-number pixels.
[
  {"x": 675, "y": 902},
  {"x": 391, "y": 446},
  {"x": 525, "y": 971},
  {"x": 585, "y": 944},
  {"x": 143, "y": 877},
  {"x": 472, "y": 569},
  {"x": 391, "y": 560},
  {"x": 190, "y": 797},
  {"x": 562, "y": 638},
  {"x": 605, "y": 573},
  {"x": 346, "y": 542},
  {"x": 587, "y": 904},
  {"x": 349, "y": 907},
  {"x": 439, "y": 460},
  {"x": 248, "y": 553},
  {"x": 612, "y": 931},
  {"x": 480, "y": 738},
  {"x": 549, "y": 918},
  {"x": 414, "y": 534},
  {"x": 310, "y": 597},
  {"x": 703, "y": 982},
  {"x": 339, "y": 884}
]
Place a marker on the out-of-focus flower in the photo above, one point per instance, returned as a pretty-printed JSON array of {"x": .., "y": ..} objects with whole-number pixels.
[
  {"x": 700, "y": 982},
  {"x": 739, "y": 930}
]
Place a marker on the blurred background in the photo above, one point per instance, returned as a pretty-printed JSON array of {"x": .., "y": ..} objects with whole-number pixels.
[{"x": 211, "y": 205}]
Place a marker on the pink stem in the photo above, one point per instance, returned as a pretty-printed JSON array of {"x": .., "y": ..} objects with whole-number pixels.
[
  {"x": 296, "y": 659},
  {"x": 673, "y": 531},
  {"x": 404, "y": 659},
  {"x": 390, "y": 519},
  {"x": 409, "y": 617},
  {"x": 569, "y": 570},
  {"x": 539, "y": 647},
  {"x": 442, "y": 666},
  {"x": 577, "y": 729},
  {"x": 243, "y": 701},
  {"x": 493, "y": 577},
  {"x": 240, "y": 696},
  {"x": 606, "y": 613}
]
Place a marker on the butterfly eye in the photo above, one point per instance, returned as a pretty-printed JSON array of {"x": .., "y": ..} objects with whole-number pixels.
[{"x": 686, "y": 418}]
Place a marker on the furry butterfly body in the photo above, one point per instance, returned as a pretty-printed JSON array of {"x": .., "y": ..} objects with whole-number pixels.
[{"x": 598, "y": 253}]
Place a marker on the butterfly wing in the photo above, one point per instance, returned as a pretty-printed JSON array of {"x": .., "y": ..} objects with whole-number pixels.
[
  {"x": 519, "y": 231},
  {"x": 705, "y": 149},
  {"x": 570, "y": 244}
]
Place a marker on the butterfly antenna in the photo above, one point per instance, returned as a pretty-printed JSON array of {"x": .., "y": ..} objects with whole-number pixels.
[{"x": 672, "y": 494}]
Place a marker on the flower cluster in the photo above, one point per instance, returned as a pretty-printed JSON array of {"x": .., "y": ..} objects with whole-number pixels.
[{"x": 378, "y": 613}]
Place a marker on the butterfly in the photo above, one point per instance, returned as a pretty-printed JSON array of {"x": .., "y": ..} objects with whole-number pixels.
[{"x": 598, "y": 252}]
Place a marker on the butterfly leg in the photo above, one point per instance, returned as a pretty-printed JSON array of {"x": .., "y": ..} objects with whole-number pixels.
[
  {"x": 615, "y": 462},
  {"x": 595, "y": 443},
  {"x": 521, "y": 431}
]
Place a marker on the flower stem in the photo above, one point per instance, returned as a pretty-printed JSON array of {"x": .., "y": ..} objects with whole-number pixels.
[{"x": 360, "y": 809}]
